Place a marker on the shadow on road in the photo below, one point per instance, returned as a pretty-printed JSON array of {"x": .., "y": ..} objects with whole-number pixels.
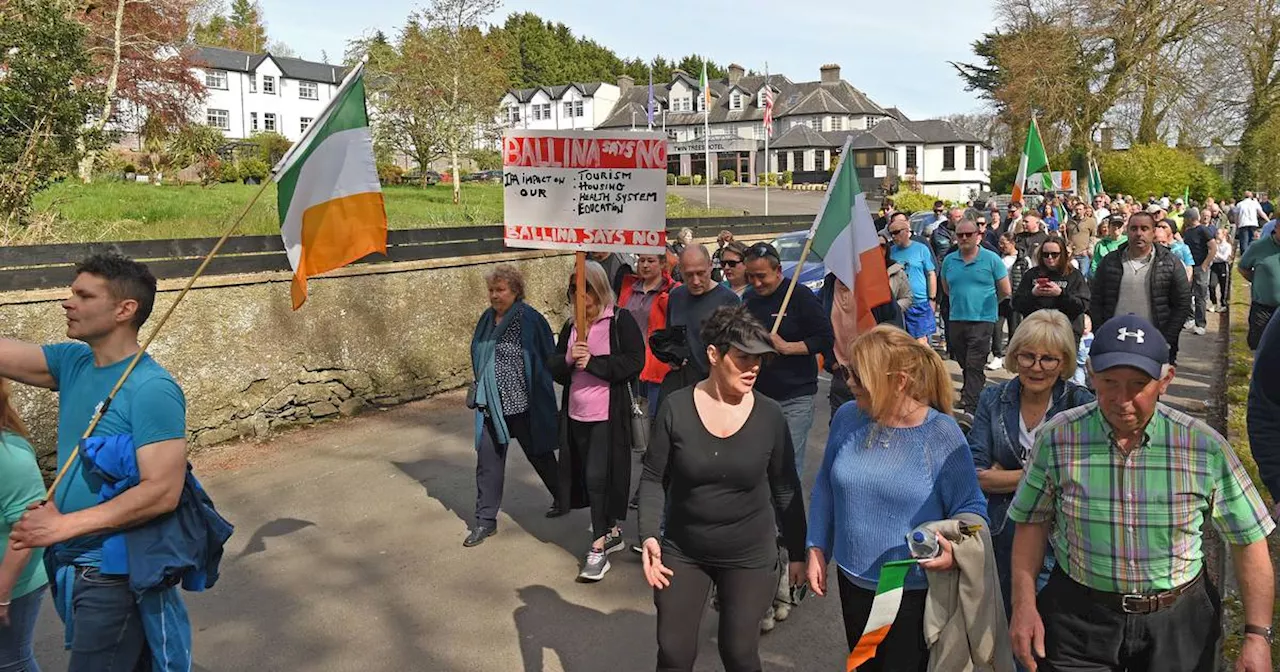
[
  {"x": 279, "y": 527},
  {"x": 584, "y": 639},
  {"x": 523, "y": 501}
]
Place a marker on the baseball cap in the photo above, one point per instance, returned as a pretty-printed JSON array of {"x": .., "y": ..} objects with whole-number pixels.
[
  {"x": 1154, "y": 208},
  {"x": 1191, "y": 213},
  {"x": 752, "y": 344},
  {"x": 1116, "y": 218},
  {"x": 1129, "y": 340}
]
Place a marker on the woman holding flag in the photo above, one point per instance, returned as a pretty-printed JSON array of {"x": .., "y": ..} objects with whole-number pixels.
[{"x": 895, "y": 459}]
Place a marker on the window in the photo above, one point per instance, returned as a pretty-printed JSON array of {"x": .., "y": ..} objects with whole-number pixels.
[
  {"x": 304, "y": 123},
  {"x": 577, "y": 108},
  {"x": 218, "y": 119},
  {"x": 872, "y": 121},
  {"x": 269, "y": 85},
  {"x": 269, "y": 121},
  {"x": 513, "y": 114},
  {"x": 215, "y": 79},
  {"x": 839, "y": 123},
  {"x": 541, "y": 111},
  {"x": 760, "y": 99},
  {"x": 970, "y": 158},
  {"x": 702, "y": 102},
  {"x": 948, "y": 158},
  {"x": 308, "y": 91},
  {"x": 911, "y": 157},
  {"x": 684, "y": 104},
  {"x": 253, "y": 122},
  {"x": 253, "y": 83},
  {"x": 568, "y": 108},
  {"x": 735, "y": 101}
]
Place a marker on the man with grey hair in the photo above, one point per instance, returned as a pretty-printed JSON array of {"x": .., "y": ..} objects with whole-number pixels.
[
  {"x": 689, "y": 306},
  {"x": 1121, "y": 488}
]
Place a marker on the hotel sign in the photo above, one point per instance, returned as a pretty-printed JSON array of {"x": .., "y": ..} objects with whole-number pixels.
[{"x": 722, "y": 144}]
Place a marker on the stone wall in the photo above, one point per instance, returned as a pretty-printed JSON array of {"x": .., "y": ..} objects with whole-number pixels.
[{"x": 367, "y": 336}]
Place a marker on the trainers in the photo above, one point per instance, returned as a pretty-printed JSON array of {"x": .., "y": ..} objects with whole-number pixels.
[
  {"x": 767, "y": 624},
  {"x": 1199, "y": 331},
  {"x": 613, "y": 542},
  {"x": 1188, "y": 324},
  {"x": 596, "y": 566},
  {"x": 995, "y": 364}
]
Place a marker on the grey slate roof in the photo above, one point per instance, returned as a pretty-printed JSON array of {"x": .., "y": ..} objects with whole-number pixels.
[
  {"x": 557, "y": 92},
  {"x": 941, "y": 131},
  {"x": 791, "y": 98},
  {"x": 799, "y": 137},
  {"x": 218, "y": 58},
  {"x": 891, "y": 130},
  {"x": 896, "y": 114}
]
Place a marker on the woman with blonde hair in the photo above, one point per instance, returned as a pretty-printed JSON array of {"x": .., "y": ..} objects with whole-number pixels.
[
  {"x": 22, "y": 575},
  {"x": 595, "y": 415},
  {"x": 1042, "y": 357},
  {"x": 895, "y": 459}
]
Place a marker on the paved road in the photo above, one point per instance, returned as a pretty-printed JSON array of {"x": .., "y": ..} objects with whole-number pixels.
[
  {"x": 348, "y": 556},
  {"x": 781, "y": 202}
]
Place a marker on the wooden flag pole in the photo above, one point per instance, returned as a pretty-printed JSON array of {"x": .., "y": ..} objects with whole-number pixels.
[
  {"x": 795, "y": 278},
  {"x": 580, "y": 295},
  {"x": 106, "y": 403}
]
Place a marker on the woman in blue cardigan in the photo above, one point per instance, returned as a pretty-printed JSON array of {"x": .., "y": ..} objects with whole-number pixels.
[
  {"x": 514, "y": 395},
  {"x": 1042, "y": 354}
]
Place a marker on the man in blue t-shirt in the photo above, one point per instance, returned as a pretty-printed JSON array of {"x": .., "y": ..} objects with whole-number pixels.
[
  {"x": 917, "y": 261},
  {"x": 976, "y": 280},
  {"x": 110, "y": 300}
]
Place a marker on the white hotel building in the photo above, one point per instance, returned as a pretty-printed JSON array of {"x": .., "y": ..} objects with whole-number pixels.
[{"x": 250, "y": 93}]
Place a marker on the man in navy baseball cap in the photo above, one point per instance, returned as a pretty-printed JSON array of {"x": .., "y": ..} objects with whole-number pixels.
[
  {"x": 1129, "y": 340},
  {"x": 1123, "y": 488}
]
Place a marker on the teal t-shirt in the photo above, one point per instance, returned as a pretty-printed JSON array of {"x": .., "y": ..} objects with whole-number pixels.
[
  {"x": 1181, "y": 251},
  {"x": 1263, "y": 257},
  {"x": 20, "y": 486},
  {"x": 971, "y": 286},
  {"x": 917, "y": 261},
  {"x": 150, "y": 407}
]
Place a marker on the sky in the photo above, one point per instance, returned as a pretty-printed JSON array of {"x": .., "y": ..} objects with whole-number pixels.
[{"x": 895, "y": 52}]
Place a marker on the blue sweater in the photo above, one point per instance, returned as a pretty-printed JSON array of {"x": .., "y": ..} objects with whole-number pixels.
[{"x": 868, "y": 495}]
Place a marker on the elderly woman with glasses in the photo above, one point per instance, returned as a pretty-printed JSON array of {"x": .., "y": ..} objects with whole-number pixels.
[
  {"x": 1054, "y": 284},
  {"x": 895, "y": 459},
  {"x": 1042, "y": 355}
]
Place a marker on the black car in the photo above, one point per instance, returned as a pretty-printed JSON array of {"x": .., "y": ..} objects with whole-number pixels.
[
  {"x": 483, "y": 176},
  {"x": 429, "y": 178}
]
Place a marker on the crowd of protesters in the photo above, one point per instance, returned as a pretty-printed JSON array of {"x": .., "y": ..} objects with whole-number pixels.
[{"x": 1065, "y": 506}]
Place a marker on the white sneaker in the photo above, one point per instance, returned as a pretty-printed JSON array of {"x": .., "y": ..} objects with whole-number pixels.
[
  {"x": 1189, "y": 324},
  {"x": 995, "y": 364},
  {"x": 1199, "y": 331}
]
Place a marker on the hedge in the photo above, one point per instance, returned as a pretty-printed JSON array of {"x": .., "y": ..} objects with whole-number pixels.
[
  {"x": 1156, "y": 169},
  {"x": 913, "y": 201}
]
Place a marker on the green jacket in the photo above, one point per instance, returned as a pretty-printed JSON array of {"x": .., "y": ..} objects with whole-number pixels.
[{"x": 1103, "y": 247}]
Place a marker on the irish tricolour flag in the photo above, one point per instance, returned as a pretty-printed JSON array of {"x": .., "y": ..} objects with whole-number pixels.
[
  {"x": 844, "y": 235},
  {"x": 331, "y": 209},
  {"x": 884, "y": 610},
  {"x": 1033, "y": 161}
]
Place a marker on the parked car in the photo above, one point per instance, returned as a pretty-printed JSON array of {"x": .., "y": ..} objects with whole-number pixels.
[
  {"x": 789, "y": 246},
  {"x": 431, "y": 178},
  {"x": 483, "y": 176}
]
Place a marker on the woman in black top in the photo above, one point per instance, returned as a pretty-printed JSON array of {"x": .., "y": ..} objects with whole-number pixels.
[
  {"x": 1054, "y": 283},
  {"x": 720, "y": 465}
]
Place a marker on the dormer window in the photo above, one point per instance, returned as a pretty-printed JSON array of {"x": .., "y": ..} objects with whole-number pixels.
[
  {"x": 760, "y": 99},
  {"x": 702, "y": 102},
  {"x": 735, "y": 101}
]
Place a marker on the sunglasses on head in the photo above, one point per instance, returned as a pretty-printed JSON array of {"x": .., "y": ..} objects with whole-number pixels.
[{"x": 763, "y": 250}]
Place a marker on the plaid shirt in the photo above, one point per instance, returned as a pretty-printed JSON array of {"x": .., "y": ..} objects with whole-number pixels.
[{"x": 1131, "y": 523}]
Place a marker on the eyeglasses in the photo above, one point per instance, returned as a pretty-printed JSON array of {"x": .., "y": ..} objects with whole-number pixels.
[
  {"x": 982, "y": 222},
  {"x": 966, "y": 234},
  {"x": 1028, "y": 360},
  {"x": 1051, "y": 255},
  {"x": 763, "y": 250},
  {"x": 730, "y": 263},
  {"x": 897, "y": 231}
]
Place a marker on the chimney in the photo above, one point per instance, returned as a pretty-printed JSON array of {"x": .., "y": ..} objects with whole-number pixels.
[
  {"x": 625, "y": 82},
  {"x": 830, "y": 73},
  {"x": 735, "y": 73}
]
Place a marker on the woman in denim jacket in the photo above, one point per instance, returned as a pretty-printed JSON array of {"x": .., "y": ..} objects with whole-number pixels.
[{"x": 1042, "y": 354}]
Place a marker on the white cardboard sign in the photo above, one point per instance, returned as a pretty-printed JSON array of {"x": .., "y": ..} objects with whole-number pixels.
[{"x": 585, "y": 191}]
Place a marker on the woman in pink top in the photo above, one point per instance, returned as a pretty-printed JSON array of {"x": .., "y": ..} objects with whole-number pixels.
[{"x": 595, "y": 415}]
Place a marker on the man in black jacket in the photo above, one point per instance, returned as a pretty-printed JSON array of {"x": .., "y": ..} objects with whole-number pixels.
[{"x": 1143, "y": 278}]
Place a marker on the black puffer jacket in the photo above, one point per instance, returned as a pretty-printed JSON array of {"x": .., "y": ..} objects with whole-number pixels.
[
  {"x": 1073, "y": 301},
  {"x": 1167, "y": 283}
]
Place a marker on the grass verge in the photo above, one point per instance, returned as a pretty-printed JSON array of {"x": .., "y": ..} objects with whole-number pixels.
[
  {"x": 1239, "y": 369},
  {"x": 74, "y": 212}
]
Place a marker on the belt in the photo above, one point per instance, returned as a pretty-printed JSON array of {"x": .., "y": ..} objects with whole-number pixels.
[{"x": 1136, "y": 603}]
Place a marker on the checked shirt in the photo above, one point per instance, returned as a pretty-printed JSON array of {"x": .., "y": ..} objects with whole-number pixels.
[{"x": 1131, "y": 523}]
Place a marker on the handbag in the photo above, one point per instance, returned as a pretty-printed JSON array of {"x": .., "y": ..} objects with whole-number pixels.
[{"x": 639, "y": 423}]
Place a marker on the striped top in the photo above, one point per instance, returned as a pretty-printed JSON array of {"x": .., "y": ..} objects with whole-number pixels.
[{"x": 1132, "y": 523}]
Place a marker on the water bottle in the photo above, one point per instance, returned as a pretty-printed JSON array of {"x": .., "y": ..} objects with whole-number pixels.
[{"x": 923, "y": 543}]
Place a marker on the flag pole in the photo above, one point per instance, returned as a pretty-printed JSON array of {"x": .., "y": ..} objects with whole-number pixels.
[
  {"x": 142, "y": 349},
  {"x": 808, "y": 241},
  {"x": 767, "y": 93}
]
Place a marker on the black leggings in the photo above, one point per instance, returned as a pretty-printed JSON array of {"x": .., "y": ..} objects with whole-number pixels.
[
  {"x": 590, "y": 443},
  {"x": 745, "y": 595},
  {"x": 903, "y": 648},
  {"x": 1219, "y": 283}
]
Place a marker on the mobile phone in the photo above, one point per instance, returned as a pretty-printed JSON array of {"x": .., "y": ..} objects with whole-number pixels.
[{"x": 1042, "y": 281}]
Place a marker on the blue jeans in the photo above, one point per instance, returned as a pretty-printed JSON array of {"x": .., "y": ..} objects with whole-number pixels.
[
  {"x": 1083, "y": 261},
  {"x": 15, "y": 639},
  {"x": 799, "y": 414},
  {"x": 108, "y": 626},
  {"x": 1246, "y": 234}
]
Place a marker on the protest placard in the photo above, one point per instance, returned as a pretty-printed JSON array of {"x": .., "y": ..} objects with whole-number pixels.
[{"x": 585, "y": 191}]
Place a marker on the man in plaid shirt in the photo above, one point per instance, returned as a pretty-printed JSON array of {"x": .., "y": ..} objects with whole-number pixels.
[{"x": 1120, "y": 488}]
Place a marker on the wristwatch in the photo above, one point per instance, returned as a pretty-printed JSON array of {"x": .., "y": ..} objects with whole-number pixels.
[{"x": 1263, "y": 631}]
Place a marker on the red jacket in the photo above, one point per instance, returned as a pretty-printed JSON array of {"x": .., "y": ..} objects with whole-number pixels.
[{"x": 654, "y": 370}]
